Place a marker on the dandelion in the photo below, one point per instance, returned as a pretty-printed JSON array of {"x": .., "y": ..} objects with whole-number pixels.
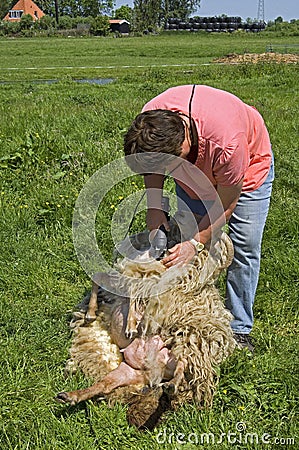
[
  {"x": 2, "y": 193},
  {"x": 25, "y": 206},
  {"x": 58, "y": 205},
  {"x": 224, "y": 391},
  {"x": 242, "y": 408},
  {"x": 47, "y": 203},
  {"x": 112, "y": 206},
  {"x": 120, "y": 197},
  {"x": 61, "y": 196}
]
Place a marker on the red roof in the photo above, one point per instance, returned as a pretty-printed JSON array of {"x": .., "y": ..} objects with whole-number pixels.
[
  {"x": 24, "y": 7},
  {"x": 120, "y": 21}
]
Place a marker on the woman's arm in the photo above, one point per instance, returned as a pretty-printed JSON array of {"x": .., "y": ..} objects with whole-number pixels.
[
  {"x": 154, "y": 190},
  {"x": 229, "y": 196},
  {"x": 184, "y": 252}
]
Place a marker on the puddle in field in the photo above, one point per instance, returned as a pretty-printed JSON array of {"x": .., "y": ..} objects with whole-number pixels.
[
  {"x": 99, "y": 81},
  {"x": 95, "y": 80}
]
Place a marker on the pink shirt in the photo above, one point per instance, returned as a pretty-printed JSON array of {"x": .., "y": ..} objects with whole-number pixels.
[{"x": 233, "y": 141}]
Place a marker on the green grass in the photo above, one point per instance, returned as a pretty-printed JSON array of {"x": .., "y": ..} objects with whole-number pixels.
[
  {"x": 52, "y": 139},
  {"x": 65, "y": 55}
]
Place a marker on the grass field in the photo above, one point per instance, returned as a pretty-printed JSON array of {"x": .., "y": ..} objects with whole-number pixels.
[{"x": 53, "y": 137}]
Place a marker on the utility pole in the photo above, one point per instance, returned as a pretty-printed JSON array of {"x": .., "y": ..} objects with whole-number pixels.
[
  {"x": 261, "y": 11},
  {"x": 56, "y": 11}
]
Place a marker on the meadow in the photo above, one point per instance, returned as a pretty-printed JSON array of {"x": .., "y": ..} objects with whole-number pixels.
[{"x": 53, "y": 138}]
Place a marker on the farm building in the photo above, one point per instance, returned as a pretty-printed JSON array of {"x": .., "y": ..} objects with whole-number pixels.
[
  {"x": 122, "y": 26},
  {"x": 24, "y": 7}
]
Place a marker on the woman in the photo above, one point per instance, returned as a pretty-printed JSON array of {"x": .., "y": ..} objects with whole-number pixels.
[{"x": 228, "y": 142}]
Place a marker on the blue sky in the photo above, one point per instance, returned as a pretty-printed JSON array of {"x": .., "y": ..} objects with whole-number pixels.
[{"x": 288, "y": 9}]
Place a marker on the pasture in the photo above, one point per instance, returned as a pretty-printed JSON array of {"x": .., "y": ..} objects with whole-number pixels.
[{"x": 53, "y": 137}]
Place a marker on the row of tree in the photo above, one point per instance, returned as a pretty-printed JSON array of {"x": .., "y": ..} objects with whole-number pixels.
[
  {"x": 146, "y": 14},
  {"x": 150, "y": 15}
]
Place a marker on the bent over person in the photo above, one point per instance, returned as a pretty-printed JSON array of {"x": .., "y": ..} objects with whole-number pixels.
[{"x": 228, "y": 142}]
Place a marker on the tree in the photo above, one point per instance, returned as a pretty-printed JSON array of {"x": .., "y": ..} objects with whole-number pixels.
[
  {"x": 270, "y": 23},
  {"x": 47, "y": 6},
  {"x": 100, "y": 26},
  {"x": 26, "y": 22},
  {"x": 4, "y": 8},
  {"x": 179, "y": 8},
  {"x": 151, "y": 14},
  {"x": 94, "y": 8},
  {"x": 45, "y": 23},
  {"x": 124, "y": 12},
  {"x": 147, "y": 14},
  {"x": 10, "y": 28},
  {"x": 65, "y": 23},
  {"x": 76, "y": 8}
]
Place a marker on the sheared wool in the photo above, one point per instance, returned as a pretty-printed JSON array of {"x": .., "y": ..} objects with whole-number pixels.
[{"x": 92, "y": 349}]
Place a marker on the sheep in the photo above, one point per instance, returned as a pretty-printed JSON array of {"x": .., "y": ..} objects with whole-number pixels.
[{"x": 183, "y": 334}]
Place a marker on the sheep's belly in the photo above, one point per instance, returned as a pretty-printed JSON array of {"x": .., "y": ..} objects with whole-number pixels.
[{"x": 94, "y": 352}]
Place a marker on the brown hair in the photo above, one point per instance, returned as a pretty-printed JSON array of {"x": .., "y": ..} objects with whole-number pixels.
[{"x": 157, "y": 130}]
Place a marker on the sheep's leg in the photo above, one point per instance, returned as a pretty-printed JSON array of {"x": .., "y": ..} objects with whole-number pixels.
[
  {"x": 123, "y": 375},
  {"x": 171, "y": 386},
  {"x": 131, "y": 328},
  {"x": 97, "y": 280},
  {"x": 93, "y": 303}
]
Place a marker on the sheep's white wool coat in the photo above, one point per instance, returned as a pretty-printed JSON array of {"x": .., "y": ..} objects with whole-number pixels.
[{"x": 180, "y": 304}]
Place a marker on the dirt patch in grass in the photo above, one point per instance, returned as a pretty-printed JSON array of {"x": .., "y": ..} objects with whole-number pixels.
[{"x": 254, "y": 58}]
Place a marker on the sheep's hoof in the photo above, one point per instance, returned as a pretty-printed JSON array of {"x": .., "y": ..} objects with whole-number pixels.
[
  {"x": 169, "y": 389},
  {"x": 64, "y": 397}
]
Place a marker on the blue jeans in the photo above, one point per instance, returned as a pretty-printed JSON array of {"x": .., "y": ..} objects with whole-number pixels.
[{"x": 246, "y": 227}]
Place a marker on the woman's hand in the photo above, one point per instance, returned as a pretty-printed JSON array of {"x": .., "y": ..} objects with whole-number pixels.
[
  {"x": 155, "y": 218},
  {"x": 180, "y": 254}
]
